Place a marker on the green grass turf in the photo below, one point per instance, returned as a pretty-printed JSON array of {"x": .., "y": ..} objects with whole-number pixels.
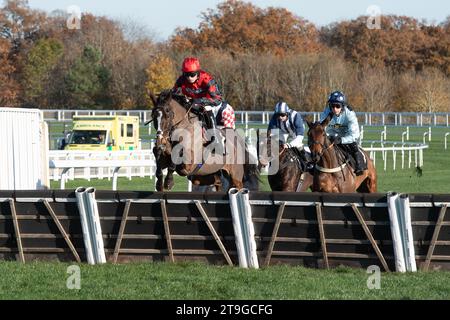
[{"x": 200, "y": 281}]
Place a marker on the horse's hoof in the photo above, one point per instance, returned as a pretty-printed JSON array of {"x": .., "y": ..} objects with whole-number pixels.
[{"x": 169, "y": 185}]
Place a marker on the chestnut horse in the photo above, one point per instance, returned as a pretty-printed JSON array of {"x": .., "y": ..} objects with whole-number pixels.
[{"x": 333, "y": 172}]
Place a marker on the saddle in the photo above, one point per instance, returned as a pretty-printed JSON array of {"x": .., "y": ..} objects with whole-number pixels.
[
  {"x": 349, "y": 156},
  {"x": 302, "y": 159}
]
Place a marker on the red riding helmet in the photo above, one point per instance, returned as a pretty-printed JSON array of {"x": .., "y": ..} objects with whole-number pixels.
[{"x": 191, "y": 64}]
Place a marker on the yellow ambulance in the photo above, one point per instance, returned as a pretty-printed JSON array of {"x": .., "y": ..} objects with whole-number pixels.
[{"x": 104, "y": 133}]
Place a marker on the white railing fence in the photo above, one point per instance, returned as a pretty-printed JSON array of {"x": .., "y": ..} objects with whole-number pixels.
[
  {"x": 263, "y": 117},
  {"x": 410, "y": 151},
  {"x": 69, "y": 165},
  {"x": 141, "y": 164}
]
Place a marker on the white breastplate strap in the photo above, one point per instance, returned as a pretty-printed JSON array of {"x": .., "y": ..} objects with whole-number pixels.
[{"x": 330, "y": 170}]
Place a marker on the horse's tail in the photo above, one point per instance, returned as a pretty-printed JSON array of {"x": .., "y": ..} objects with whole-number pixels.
[{"x": 251, "y": 170}]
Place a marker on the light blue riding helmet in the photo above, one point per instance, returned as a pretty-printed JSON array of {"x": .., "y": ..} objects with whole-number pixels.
[{"x": 282, "y": 107}]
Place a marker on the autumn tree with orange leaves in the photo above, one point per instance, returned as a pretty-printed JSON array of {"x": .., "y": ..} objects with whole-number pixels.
[
  {"x": 257, "y": 55},
  {"x": 8, "y": 86},
  {"x": 160, "y": 75},
  {"x": 402, "y": 43},
  {"x": 237, "y": 26}
]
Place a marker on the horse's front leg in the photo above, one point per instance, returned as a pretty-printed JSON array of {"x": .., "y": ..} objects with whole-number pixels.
[
  {"x": 159, "y": 178},
  {"x": 218, "y": 182},
  {"x": 168, "y": 181},
  {"x": 159, "y": 169}
]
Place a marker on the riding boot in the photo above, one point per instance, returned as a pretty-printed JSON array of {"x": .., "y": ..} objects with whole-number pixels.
[
  {"x": 210, "y": 120},
  {"x": 359, "y": 167},
  {"x": 211, "y": 125}
]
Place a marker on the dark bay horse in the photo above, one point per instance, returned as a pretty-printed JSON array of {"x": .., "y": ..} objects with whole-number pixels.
[
  {"x": 180, "y": 133},
  {"x": 333, "y": 172},
  {"x": 291, "y": 175}
]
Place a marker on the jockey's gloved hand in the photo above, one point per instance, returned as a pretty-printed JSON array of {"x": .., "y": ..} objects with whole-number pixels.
[
  {"x": 198, "y": 107},
  {"x": 336, "y": 139},
  {"x": 178, "y": 91},
  {"x": 188, "y": 99}
]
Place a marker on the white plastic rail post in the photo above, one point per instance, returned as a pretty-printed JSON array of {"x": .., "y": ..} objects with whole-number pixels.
[
  {"x": 399, "y": 256},
  {"x": 238, "y": 234},
  {"x": 79, "y": 193}
]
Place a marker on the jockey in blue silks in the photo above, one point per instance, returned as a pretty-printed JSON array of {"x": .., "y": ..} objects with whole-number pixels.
[{"x": 290, "y": 124}]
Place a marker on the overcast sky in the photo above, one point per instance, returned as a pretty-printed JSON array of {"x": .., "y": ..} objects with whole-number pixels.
[{"x": 163, "y": 16}]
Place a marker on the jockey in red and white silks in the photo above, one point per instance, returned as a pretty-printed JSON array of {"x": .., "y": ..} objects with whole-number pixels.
[{"x": 202, "y": 88}]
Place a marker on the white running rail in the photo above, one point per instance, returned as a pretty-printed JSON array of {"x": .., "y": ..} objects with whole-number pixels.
[{"x": 68, "y": 165}]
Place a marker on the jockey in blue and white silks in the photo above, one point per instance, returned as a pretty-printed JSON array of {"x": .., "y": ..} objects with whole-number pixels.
[
  {"x": 345, "y": 125},
  {"x": 290, "y": 124},
  {"x": 343, "y": 129}
]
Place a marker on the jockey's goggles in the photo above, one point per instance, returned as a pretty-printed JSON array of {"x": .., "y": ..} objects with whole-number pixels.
[
  {"x": 335, "y": 106},
  {"x": 281, "y": 115},
  {"x": 191, "y": 74}
]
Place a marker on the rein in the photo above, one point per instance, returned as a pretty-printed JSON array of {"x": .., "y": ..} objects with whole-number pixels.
[
  {"x": 286, "y": 162},
  {"x": 324, "y": 147},
  {"x": 328, "y": 170},
  {"x": 173, "y": 127}
]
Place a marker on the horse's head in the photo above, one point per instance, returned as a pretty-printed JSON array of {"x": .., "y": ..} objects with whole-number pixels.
[
  {"x": 317, "y": 138},
  {"x": 162, "y": 118}
]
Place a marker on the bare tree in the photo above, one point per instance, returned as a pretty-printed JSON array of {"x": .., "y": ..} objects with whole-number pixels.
[
  {"x": 296, "y": 75},
  {"x": 432, "y": 95},
  {"x": 134, "y": 31},
  {"x": 376, "y": 87}
]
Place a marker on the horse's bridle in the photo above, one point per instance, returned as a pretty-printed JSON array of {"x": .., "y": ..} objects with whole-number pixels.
[
  {"x": 164, "y": 135},
  {"x": 320, "y": 154},
  {"x": 323, "y": 145}
]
